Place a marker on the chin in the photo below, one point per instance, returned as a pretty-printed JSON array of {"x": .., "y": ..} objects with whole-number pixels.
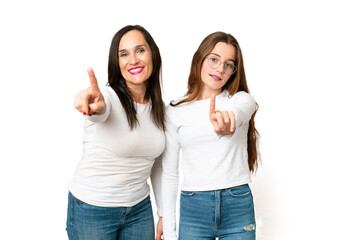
[{"x": 216, "y": 87}]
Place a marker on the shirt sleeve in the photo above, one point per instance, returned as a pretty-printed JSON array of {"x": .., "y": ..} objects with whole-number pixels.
[
  {"x": 170, "y": 177},
  {"x": 243, "y": 106},
  {"x": 156, "y": 174},
  {"x": 99, "y": 118}
]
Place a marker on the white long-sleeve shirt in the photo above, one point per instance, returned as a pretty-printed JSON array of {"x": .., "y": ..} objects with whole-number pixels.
[
  {"x": 209, "y": 161},
  {"x": 117, "y": 161}
]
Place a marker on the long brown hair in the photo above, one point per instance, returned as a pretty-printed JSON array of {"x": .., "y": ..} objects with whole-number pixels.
[
  {"x": 236, "y": 83},
  {"x": 153, "y": 92}
]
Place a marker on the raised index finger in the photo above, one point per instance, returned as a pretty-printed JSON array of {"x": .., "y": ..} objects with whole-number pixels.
[
  {"x": 93, "y": 80},
  {"x": 212, "y": 105}
]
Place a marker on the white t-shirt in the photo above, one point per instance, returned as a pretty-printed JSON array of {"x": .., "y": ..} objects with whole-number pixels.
[
  {"x": 209, "y": 161},
  {"x": 117, "y": 161}
]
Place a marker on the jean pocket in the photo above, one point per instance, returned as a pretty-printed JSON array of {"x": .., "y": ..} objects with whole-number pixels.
[
  {"x": 240, "y": 191},
  {"x": 187, "y": 193}
]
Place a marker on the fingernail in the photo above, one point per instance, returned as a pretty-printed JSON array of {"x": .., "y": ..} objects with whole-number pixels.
[
  {"x": 84, "y": 113},
  {"x": 90, "y": 114},
  {"x": 89, "y": 108}
]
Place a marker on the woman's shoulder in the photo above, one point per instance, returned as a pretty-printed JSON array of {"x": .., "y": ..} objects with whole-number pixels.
[
  {"x": 109, "y": 93},
  {"x": 107, "y": 90}
]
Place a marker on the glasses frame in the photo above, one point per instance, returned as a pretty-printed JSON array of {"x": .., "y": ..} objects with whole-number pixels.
[{"x": 219, "y": 64}]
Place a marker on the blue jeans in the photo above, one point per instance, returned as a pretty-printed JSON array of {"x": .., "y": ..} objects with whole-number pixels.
[
  {"x": 88, "y": 222},
  {"x": 225, "y": 213}
]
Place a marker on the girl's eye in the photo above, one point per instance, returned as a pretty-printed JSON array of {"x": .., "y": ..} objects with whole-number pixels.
[{"x": 214, "y": 59}]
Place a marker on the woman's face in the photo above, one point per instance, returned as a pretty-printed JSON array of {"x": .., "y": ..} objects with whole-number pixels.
[
  {"x": 135, "y": 59},
  {"x": 214, "y": 78}
]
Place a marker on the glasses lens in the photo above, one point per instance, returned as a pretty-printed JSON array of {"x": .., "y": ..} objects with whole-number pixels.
[
  {"x": 213, "y": 61},
  {"x": 229, "y": 68}
]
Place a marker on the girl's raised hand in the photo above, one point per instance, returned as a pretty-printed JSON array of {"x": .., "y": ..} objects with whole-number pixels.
[{"x": 223, "y": 121}]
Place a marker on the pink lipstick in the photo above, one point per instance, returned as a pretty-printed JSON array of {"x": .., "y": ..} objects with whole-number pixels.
[{"x": 136, "y": 70}]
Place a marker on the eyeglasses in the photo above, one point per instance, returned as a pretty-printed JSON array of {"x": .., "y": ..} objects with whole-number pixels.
[{"x": 215, "y": 62}]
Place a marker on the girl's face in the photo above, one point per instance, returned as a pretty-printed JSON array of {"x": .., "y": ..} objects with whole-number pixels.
[
  {"x": 135, "y": 59},
  {"x": 217, "y": 68}
]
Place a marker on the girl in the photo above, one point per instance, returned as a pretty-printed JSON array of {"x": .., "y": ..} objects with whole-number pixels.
[{"x": 214, "y": 127}]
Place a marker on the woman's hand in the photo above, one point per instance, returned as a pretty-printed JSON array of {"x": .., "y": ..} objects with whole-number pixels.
[
  {"x": 90, "y": 101},
  {"x": 159, "y": 229},
  {"x": 223, "y": 121}
]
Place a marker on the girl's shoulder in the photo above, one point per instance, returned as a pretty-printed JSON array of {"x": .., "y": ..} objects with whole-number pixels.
[{"x": 241, "y": 95}]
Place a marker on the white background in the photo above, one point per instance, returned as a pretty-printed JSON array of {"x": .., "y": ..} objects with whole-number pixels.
[{"x": 302, "y": 60}]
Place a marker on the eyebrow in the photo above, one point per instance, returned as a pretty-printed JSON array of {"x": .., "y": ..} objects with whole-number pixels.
[
  {"x": 220, "y": 57},
  {"x": 137, "y": 46}
]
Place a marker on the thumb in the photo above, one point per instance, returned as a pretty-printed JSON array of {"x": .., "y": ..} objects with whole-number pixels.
[{"x": 93, "y": 81}]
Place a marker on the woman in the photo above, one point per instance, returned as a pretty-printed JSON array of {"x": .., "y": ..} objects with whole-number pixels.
[
  {"x": 218, "y": 144},
  {"x": 123, "y": 134}
]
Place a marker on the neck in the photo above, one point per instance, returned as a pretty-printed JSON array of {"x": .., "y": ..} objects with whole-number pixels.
[
  {"x": 138, "y": 92},
  {"x": 207, "y": 93}
]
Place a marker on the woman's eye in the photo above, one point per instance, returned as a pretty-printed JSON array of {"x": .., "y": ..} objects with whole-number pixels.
[
  {"x": 213, "y": 59},
  {"x": 140, "y": 50},
  {"x": 123, "y": 54}
]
